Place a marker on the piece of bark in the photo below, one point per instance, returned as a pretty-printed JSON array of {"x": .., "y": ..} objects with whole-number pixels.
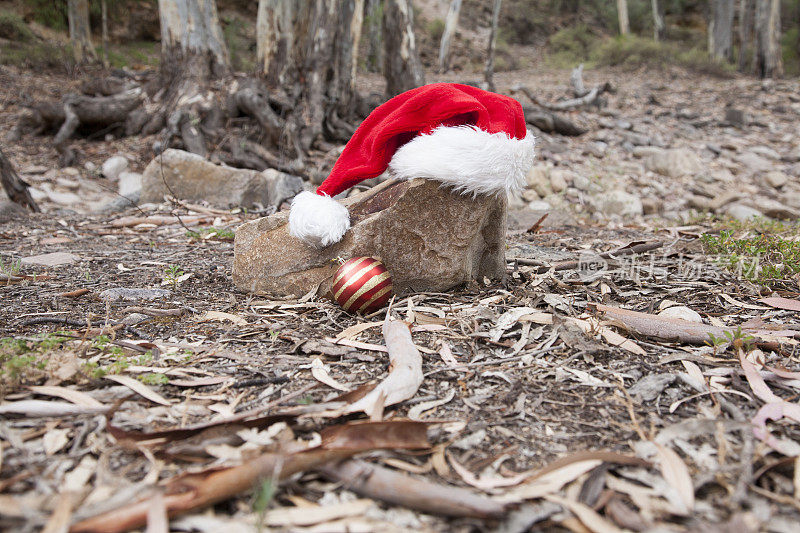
[
  {"x": 405, "y": 372},
  {"x": 403, "y": 490},
  {"x": 429, "y": 237}
]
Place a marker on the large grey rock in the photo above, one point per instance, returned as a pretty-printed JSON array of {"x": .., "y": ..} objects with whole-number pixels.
[
  {"x": 190, "y": 177},
  {"x": 430, "y": 238},
  {"x": 618, "y": 202},
  {"x": 775, "y": 179},
  {"x": 674, "y": 163}
]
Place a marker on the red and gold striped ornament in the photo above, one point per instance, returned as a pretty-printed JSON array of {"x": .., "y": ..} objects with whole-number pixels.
[{"x": 362, "y": 285}]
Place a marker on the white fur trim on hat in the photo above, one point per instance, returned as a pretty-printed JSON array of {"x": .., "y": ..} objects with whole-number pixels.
[
  {"x": 470, "y": 159},
  {"x": 318, "y": 220}
]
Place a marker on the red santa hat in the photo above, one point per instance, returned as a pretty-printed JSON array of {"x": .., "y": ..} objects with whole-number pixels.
[{"x": 462, "y": 136}]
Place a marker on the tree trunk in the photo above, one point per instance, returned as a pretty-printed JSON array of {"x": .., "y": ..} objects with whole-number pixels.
[
  {"x": 401, "y": 65},
  {"x": 488, "y": 74},
  {"x": 192, "y": 44},
  {"x": 767, "y": 58},
  {"x": 104, "y": 23},
  {"x": 374, "y": 47},
  {"x": 309, "y": 48},
  {"x": 622, "y": 13},
  {"x": 450, "y": 24},
  {"x": 745, "y": 23},
  {"x": 659, "y": 26},
  {"x": 15, "y": 187},
  {"x": 80, "y": 37},
  {"x": 193, "y": 52},
  {"x": 720, "y": 29}
]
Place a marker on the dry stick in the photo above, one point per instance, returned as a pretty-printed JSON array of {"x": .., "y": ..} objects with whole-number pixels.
[
  {"x": 571, "y": 265},
  {"x": 393, "y": 487}
]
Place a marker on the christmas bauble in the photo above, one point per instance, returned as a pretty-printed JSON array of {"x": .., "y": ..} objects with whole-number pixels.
[{"x": 362, "y": 285}]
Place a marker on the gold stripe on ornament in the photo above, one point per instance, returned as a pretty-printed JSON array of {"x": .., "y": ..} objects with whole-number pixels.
[
  {"x": 355, "y": 277},
  {"x": 380, "y": 294},
  {"x": 347, "y": 269},
  {"x": 373, "y": 282}
]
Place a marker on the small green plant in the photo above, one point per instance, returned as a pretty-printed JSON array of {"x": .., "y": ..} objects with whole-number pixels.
[
  {"x": 261, "y": 499},
  {"x": 172, "y": 275},
  {"x": 762, "y": 251},
  {"x": 13, "y": 28},
  {"x": 435, "y": 29},
  {"x": 11, "y": 268},
  {"x": 736, "y": 338},
  {"x": 154, "y": 379},
  {"x": 217, "y": 234}
]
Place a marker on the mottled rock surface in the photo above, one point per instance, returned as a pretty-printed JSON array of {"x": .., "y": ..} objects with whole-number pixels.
[
  {"x": 191, "y": 177},
  {"x": 430, "y": 238}
]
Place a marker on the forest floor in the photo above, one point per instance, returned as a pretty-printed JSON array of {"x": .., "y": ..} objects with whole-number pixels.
[{"x": 539, "y": 394}]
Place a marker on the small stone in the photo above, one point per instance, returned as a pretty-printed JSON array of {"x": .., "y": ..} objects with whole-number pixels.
[
  {"x": 135, "y": 318},
  {"x": 63, "y": 198},
  {"x": 766, "y": 151},
  {"x": 637, "y": 139},
  {"x": 753, "y": 162},
  {"x": 674, "y": 163},
  {"x": 743, "y": 213},
  {"x": 714, "y": 148},
  {"x": 529, "y": 195},
  {"x": 581, "y": 182},
  {"x": 596, "y": 148},
  {"x": 67, "y": 184},
  {"x": 130, "y": 183},
  {"x": 90, "y": 166},
  {"x": 429, "y": 237},
  {"x": 619, "y": 202},
  {"x": 651, "y": 386},
  {"x": 133, "y": 295},
  {"x": 623, "y": 125},
  {"x": 71, "y": 171},
  {"x": 776, "y": 179},
  {"x": 191, "y": 177},
  {"x": 539, "y": 205},
  {"x": 52, "y": 260},
  {"x": 539, "y": 180},
  {"x": 682, "y": 312},
  {"x": 651, "y": 206},
  {"x": 559, "y": 179},
  {"x": 775, "y": 209},
  {"x": 114, "y": 166},
  {"x": 735, "y": 117}
]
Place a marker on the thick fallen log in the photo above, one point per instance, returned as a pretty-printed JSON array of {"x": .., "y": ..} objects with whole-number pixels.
[
  {"x": 93, "y": 110},
  {"x": 548, "y": 122}
]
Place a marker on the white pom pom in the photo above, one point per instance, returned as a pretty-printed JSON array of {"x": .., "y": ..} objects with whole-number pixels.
[{"x": 318, "y": 220}]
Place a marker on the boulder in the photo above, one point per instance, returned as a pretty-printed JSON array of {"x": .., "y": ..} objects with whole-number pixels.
[
  {"x": 674, "y": 163},
  {"x": 429, "y": 237},
  {"x": 191, "y": 177},
  {"x": 776, "y": 179},
  {"x": 742, "y": 212}
]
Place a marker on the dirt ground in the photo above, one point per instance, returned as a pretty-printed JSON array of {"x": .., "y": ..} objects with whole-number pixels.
[{"x": 524, "y": 378}]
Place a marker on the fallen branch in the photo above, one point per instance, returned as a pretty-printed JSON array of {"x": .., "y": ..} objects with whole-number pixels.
[
  {"x": 565, "y": 105},
  {"x": 393, "y": 487},
  {"x": 629, "y": 249},
  {"x": 188, "y": 492}
]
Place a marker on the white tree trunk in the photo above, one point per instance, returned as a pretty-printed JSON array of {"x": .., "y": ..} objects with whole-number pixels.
[
  {"x": 192, "y": 44},
  {"x": 659, "y": 26},
  {"x": 720, "y": 30},
  {"x": 768, "y": 61},
  {"x": 450, "y": 24},
  {"x": 488, "y": 73},
  {"x": 80, "y": 37},
  {"x": 401, "y": 65},
  {"x": 275, "y": 38},
  {"x": 622, "y": 13}
]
